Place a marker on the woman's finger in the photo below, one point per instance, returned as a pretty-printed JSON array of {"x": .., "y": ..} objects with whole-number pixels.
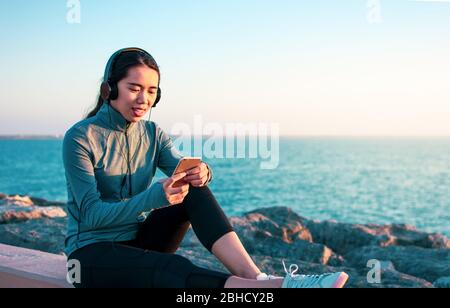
[
  {"x": 197, "y": 170},
  {"x": 197, "y": 183},
  {"x": 196, "y": 176},
  {"x": 174, "y": 191},
  {"x": 177, "y": 190},
  {"x": 194, "y": 170},
  {"x": 177, "y": 200},
  {"x": 192, "y": 177},
  {"x": 184, "y": 189},
  {"x": 181, "y": 194},
  {"x": 202, "y": 181},
  {"x": 184, "y": 196},
  {"x": 204, "y": 174},
  {"x": 172, "y": 180},
  {"x": 172, "y": 199}
]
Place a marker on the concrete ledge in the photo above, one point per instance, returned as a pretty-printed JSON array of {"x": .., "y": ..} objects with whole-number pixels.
[{"x": 26, "y": 268}]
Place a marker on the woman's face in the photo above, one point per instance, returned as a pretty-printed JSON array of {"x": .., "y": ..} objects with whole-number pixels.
[{"x": 137, "y": 93}]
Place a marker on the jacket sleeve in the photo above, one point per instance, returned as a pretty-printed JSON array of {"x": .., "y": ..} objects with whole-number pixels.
[{"x": 94, "y": 213}]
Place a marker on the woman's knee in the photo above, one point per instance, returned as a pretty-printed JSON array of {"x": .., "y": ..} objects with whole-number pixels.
[{"x": 204, "y": 190}]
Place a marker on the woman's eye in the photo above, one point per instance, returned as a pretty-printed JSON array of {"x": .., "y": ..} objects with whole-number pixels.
[{"x": 134, "y": 90}]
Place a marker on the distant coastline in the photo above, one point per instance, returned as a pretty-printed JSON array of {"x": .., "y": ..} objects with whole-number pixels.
[
  {"x": 30, "y": 137},
  {"x": 318, "y": 137}
]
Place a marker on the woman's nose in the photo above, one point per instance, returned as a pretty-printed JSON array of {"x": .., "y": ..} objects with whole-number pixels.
[{"x": 143, "y": 97}]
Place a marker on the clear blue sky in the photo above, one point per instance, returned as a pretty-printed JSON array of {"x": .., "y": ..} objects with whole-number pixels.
[{"x": 314, "y": 67}]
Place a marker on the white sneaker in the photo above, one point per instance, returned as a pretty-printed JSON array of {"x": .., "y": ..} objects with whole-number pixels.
[{"x": 328, "y": 280}]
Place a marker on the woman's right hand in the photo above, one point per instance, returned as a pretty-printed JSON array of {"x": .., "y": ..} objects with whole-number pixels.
[{"x": 175, "y": 195}]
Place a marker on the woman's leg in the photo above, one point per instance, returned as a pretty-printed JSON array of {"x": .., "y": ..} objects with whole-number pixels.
[
  {"x": 216, "y": 233},
  {"x": 118, "y": 265},
  {"x": 230, "y": 251},
  {"x": 164, "y": 229},
  {"x": 210, "y": 224}
]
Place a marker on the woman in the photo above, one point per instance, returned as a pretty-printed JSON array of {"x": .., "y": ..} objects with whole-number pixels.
[{"x": 110, "y": 159}]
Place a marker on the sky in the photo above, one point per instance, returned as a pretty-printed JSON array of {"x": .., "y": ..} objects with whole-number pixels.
[{"x": 314, "y": 68}]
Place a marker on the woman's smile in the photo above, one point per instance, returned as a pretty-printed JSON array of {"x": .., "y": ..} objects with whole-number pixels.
[{"x": 138, "y": 111}]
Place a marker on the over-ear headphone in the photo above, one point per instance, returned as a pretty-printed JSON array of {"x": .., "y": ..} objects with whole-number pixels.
[{"x": 108, "y": 89}]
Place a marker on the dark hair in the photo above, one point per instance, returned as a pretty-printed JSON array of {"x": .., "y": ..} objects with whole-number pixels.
[{"x": 120, "y": 68}]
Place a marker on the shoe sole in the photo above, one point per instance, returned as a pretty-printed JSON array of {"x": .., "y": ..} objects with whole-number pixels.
[{"x": 340, "y": 281}]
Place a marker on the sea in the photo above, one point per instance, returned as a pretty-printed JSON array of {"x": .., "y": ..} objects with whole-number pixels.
[{"x": 347, "y": 179}]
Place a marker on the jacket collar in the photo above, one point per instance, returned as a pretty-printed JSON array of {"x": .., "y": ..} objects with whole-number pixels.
[{"x": 114, "y": 119}]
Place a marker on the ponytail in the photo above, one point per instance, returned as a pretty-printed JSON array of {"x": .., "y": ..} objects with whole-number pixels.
[{"x": 99, "y": 105}]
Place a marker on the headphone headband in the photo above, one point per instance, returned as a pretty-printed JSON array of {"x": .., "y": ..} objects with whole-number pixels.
[{"x": 113, "y": 58}]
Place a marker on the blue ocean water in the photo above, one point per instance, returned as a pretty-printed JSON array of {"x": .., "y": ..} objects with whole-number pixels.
[{"x": 347, "y": 179}]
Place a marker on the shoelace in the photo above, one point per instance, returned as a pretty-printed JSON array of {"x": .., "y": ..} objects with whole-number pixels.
[
  {"x": 293, "y": 268},
  {"x": 305, "y": 280}
]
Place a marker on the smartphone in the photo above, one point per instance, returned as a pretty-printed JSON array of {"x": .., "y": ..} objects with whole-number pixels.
[{"x": 185, "y": 164}]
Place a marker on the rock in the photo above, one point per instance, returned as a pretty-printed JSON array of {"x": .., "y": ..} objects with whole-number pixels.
[
  {"x": 404, "y": 235},
  {"x": 43, "y": 202},
  {"x": 45, "y": 234},
  {"x": 300, "y": 250},
  {"x": 262, "y": 236},
  {"x": 389, "y": 279},
  {"x": 260, "y": 243},
  {"x": 13, "y": 216},
  {"x": 443, "y": 282},
  {"x": 16, "y": 200},
  {"x": 290, "y": 223},
  {"x": 408, "y": 257},
  {"x": 395, "y": 279},
  {"x": 21, "y": 208},
  {"x": 428, "y": 264},
  {"x": 344, "y": 237},
  {"x": 256, "y": 227},
  {"x": 338, "y": 236},
  {"x": 27, "y": 200}
]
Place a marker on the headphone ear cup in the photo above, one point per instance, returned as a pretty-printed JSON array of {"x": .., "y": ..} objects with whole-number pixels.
[
  {"x": 114, "y": 92},
  {"x": 105, "y": 91},
  {"x": 158, "y": 97}
]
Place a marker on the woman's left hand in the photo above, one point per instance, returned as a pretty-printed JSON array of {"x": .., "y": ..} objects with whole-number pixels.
[{"x": 197, "y": 176}]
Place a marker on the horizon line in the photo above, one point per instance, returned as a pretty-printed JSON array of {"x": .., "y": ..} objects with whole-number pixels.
[{"x": 60, "y": 136}]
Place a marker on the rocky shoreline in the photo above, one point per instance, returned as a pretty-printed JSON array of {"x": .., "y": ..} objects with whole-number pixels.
[{"x": 407, "y": 257}]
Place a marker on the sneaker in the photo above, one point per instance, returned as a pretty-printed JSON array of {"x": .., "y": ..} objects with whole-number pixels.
[
  {"x": 264, "y": 276},
  {"x": 328, "y": 280}
]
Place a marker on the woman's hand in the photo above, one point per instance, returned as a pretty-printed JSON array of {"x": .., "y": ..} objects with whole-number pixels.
[
  {"x": 197, "y": 176},
  {"x": 175, "y": 195}
]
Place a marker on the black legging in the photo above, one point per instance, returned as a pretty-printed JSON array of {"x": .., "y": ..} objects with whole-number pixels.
[{"x": 149, "y": 260}]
